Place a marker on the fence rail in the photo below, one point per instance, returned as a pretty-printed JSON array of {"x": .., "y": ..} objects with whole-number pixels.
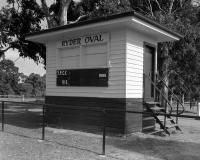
[{"x": 104, "y": 112}]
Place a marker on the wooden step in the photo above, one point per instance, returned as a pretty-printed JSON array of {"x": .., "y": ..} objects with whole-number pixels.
[
  {"x": 148, "y": 118},
  {"x": 148, "y": 128},
  {"x": 167, "y": 119},
  {"x": 152, "y": 103},
  {"x": 156, "y": 108},
  {"x": 171, "y": 126},
  {"x": 156, "y": 131}
]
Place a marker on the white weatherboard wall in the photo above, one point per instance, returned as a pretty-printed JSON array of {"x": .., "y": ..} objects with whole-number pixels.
[
  {"x": 115, "y": 60},
  {"x": 134, "y": 63}
]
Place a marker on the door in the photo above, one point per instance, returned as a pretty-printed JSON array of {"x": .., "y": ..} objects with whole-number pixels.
[{"x": 149, "y": 53}]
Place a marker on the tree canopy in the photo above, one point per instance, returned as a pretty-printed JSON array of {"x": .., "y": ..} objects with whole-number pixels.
[
  {"x": 14, "y": 83},
  {"x": 177, "y": 59},
  {"x": 9, "y": 77},
  {"x": 37, "y": 83}
]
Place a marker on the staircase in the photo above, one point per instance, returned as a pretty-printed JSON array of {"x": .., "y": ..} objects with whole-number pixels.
[{"x": 156, "y": 123}]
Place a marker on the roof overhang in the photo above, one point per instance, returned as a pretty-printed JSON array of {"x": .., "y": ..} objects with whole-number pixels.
[{"x": 131, "y": 20}]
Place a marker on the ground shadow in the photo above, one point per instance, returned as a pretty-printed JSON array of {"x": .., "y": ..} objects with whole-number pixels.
[
  {"x": 158, "y": 148},
  {"x": 23, "y": 115}
]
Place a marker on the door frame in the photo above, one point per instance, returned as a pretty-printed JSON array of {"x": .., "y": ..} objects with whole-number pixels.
[{"x": 154, "y": 67}]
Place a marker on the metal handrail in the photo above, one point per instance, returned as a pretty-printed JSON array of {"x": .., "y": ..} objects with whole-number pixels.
[
  {"x": 178, "y": 100},
  {"x": 154, "y": 84}
]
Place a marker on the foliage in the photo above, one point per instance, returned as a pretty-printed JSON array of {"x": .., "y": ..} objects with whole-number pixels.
[
  {"x": 37, "y": 83},
  {"x": 26, "y": 89},
  {"x": 184, "y": 68},
  {"x": 15, "y": 22},
  {"x": 13, "y": 82},
  {"x": 9, "y": 77},
  {"x": 178, "y": 59},
  {"x": 98, "y": 8}
]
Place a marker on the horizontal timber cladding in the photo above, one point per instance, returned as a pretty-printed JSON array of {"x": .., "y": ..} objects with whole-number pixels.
[
  {"x": 75, "y": 110},
  {"x": 110, "y": 54},
  {"x": 134, "y": 63}
]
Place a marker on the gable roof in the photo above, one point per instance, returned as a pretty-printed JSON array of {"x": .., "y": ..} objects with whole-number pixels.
[{"x": 105, "y": 19}]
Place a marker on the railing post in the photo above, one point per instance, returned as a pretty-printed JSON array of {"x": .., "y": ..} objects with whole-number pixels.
[
  {"x": 177, "y": 108},
  {"x": 144, "y": 78},
  {"x": 43, "y": 122},
  {"x": 104, "y": 132},
  {"x": 166, "y": 111},
  {"x": 2, "y": 115}
]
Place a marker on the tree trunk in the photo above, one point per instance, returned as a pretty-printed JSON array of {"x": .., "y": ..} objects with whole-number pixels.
[
  {"x": 64, "y": 6},
  {"x": 47, "y": 14},
  {"x": 164, "y": 72},
  {"x": 183, "y": 99}
]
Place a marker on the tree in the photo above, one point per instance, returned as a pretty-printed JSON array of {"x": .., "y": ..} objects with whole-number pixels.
[
  {"x": 38, "y": 84},
  {"x": 25, "y": 16},
  {"x": 178, "y": 62},
  {"x": 21, "y": 17},
  {"x": 177, "y": 59},
  {"x": 25, "y": 89},
  {"x": 9, "y": 77},
  {"x": 16, "y": 21}
]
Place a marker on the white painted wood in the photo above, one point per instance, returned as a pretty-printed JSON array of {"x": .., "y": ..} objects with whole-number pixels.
[
  {"x": 92, "y": 56},
  {"x": 123, "y": 54},
  {"x": 134, "y": 63},
  {"x": 153, "y": 28},
  {"x": 69, "y": 52},
  {"x": 83, "y": 40},
  {"x": 69, "y": 57}
]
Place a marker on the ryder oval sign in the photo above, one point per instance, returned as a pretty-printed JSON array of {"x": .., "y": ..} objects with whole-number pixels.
[{"x": 84, "y": 40}]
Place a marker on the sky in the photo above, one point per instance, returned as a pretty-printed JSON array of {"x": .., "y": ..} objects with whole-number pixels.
[{"x": 25, "y": 65}]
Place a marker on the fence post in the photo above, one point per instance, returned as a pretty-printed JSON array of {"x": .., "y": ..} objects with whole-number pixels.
[
  {"x": 104, "y": 132},
  {"x": 177, "y": 109},
  {"x": 2, "y": 116},
  {"x": 166, "y": 111},
  {"x": 22, "y": 98},
  {"x": 43, "y": 122}
]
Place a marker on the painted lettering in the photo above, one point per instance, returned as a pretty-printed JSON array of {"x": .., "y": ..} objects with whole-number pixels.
[
  {"x": 62, "y": 72},
  {"x": 92, "y": 39},
  {"x": 71, "y": 42},
  {"x": 102, "y": 76}
]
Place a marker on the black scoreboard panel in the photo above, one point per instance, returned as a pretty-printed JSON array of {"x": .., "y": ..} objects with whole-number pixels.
[{"x": 97, "y": 77}]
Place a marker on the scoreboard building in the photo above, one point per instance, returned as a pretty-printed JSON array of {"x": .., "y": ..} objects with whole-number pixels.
[{"x": 100, "y": 63}]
